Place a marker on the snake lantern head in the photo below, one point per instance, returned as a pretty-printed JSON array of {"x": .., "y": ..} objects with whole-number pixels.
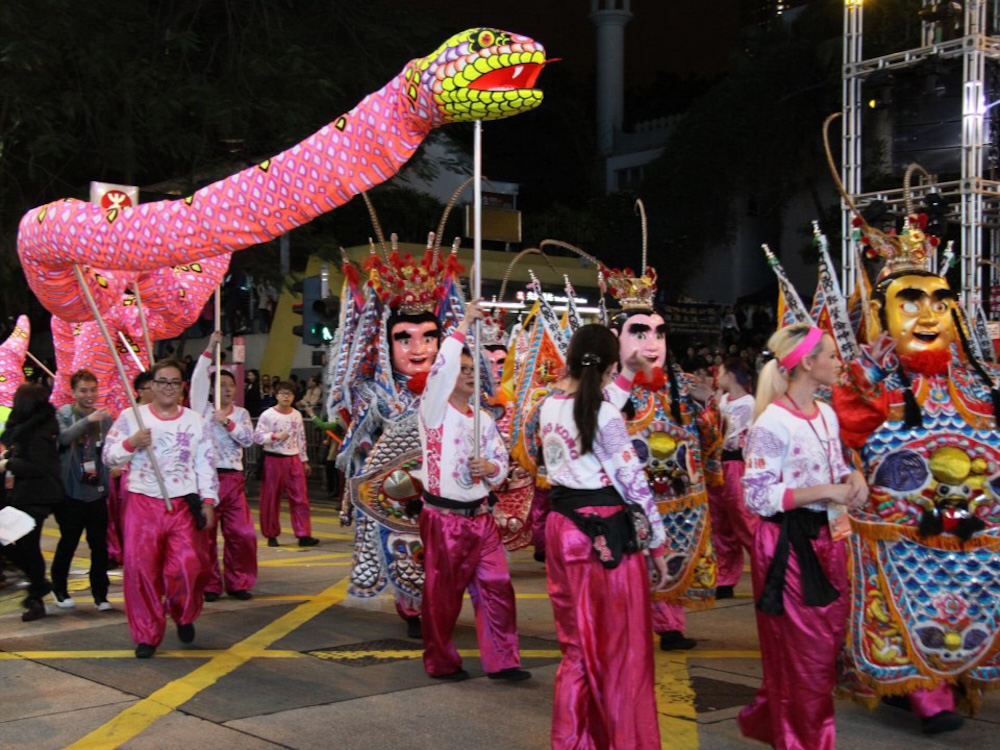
[{"x": 480, "y": 74}]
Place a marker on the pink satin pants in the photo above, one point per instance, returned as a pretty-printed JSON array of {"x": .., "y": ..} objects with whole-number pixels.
[
  {"x": 239, "y": 539},
  {"x": 166, "y": 564},
  {"x": 793, "y": 710},
  {"x": 733, "y": 525},
  {"x": 604, "y": 695},
  {"x": 466, "y": 553},
  {"x": 284, "y": 476}
]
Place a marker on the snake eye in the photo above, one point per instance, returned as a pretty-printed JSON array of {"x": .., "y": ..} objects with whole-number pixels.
[{"x": 485, "y": 38}]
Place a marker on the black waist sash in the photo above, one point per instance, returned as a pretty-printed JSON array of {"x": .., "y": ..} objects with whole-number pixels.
[
  {"x": 566, "y": 499},
  {"x": 798, "y": 527},
  {"x": 464, "y": 508}
]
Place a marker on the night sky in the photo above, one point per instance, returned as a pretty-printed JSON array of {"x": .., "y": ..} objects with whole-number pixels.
[{"x": 678, "y": 36}]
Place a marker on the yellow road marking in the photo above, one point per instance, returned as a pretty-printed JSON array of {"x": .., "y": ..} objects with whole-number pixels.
[
  {"x": 675, "y": 703},
  {"x": 137, "y": 718}
]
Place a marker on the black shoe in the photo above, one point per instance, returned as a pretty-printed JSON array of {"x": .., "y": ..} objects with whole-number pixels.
[
  {"x": 511, "y": 674},
  {"x": 943, "y": 721},
  {"x": 272, "y": 541},
  {"x": 458, "y": 676},
  {"x": 185, "y": 633},
  {"x": 308, "y": 541},
  {"x": 144, "y": 651},
  {"x": 241, "y": 594},
  {"x": 35, "y": 610},
  {"x": 211, "y": 596},
  {"x": 724, "y": 592},
  {"x": 413, "y": 629},
  {"x": 674, "y": 640},
  {"x": 897, "y": 701}
]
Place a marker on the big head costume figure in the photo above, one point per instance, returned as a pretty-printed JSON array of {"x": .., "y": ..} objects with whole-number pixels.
[
  {"x": 673, "y": 435},
  {"x": 926, "y": 547},
  {"x": 413, "y": 342}
]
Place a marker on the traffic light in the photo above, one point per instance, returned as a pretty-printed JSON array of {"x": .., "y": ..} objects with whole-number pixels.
[
  {"x": 310, "y": 289},
  {"x": 327, "y": 314}
]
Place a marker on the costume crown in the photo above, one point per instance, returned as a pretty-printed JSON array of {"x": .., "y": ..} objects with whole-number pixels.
[
  {"x": 410, "y": 286},
  {"x": 632, "y": 292},
  {"x": 912, "y": 250},
  {"x": 492, "y": 328}
]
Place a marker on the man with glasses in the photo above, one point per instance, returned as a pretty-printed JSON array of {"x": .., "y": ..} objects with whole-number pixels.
[
  {"x": 166, "y": 557},
  {"x": 462, "y": 547}
]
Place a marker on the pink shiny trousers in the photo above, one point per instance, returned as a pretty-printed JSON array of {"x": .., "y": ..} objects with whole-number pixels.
[
  {"x": 539, "y": 513},
  {"x": 166, "y": 564},
  {"x": 284, "y": 476},
  {"x": 604, "y": 698},
  {"x": 793, "y": 709},
  {"x": 116, "y": 501},
  {"x": 239, "y": 539},
  {"x": 927, "y": 703},
  {"x": 466, "y": 553},
  {"x": 733, "y": 525}
]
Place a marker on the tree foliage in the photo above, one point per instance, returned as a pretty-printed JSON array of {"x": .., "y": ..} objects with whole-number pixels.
[{"x": 178, "y": 90}]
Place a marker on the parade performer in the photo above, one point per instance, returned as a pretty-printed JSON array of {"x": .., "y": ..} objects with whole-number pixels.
[
  {"x": 733, "y": 525},
  {"x": 461, "y": 542},
  {"x": 166, "y": 555},
  {"x": 282, "y": 434},
  {"x": 232, "y": 432},
  {"x": 795, "y": 472},
  {"x": 399, "y": 333},
  {"x": 82, "y": 431},
  {"x": 599, "y": 586},
  {"x": 175, "y": 252},
  {"x": 675, "y": 436},
  {"x": 923, "y": 413}
]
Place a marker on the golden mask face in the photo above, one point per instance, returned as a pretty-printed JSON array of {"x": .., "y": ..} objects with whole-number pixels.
[{"x": 918, "y": 313}]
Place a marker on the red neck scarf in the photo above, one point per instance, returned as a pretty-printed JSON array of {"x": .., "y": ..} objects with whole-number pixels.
[
  {"x": 928, "y": 363},
  {"x": 654, "y": 382}
]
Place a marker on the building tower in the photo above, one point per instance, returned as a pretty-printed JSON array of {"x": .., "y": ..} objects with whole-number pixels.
[{"x": 610, "y": 17}]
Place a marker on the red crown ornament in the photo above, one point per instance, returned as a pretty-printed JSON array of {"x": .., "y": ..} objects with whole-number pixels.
[
  {"x": 632, "y": 292},
  {"x": 410, "y": 286}
]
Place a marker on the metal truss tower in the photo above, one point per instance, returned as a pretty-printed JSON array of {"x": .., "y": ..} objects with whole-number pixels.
[{"x": 974, "y": 200}]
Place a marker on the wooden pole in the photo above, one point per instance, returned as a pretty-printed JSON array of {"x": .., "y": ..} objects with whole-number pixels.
[{"x": 124, "y": 378}]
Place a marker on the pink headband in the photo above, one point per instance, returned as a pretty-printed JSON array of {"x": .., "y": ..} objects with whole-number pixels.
[{"x": 805, "y": 346}]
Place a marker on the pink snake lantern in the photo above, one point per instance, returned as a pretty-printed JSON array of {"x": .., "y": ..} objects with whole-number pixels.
[
  {"x": 12, "y": 354},
  {"x": 176, "y": 252}
]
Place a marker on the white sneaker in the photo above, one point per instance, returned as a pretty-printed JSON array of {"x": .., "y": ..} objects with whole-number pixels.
[
  {"x": 66, "y": 602},
  {"x": 104, "y": 606}
]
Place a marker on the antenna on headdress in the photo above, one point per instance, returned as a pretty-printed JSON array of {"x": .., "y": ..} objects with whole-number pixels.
[
  {"x": 449, "y": 206},
  {"x": 573, "y": 248},
  {"x": 907, "y": 195},
  {"x": 642, "y": 212},
  {"x": 376, "y": 225},
  {"x": 513, "y": 262}
]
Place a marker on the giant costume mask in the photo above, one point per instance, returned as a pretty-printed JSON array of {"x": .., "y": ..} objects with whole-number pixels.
[
  {"x": 646, "y": 334},
  {"x": 414, "y": 345},
  {"x": 917, "y": 313}
]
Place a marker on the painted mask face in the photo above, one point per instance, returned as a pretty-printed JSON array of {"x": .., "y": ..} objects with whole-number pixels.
[
  {"x": 414, "y": 346},
  {"x": 646, "y": 334},
  {"x": 918, "y": 314},
  {"x": 497, "y": 359}
]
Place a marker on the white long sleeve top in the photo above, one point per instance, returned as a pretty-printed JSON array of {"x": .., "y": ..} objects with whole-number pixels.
[
  {"x": 228, "y": 441},
  {"x": 737, "y": 416},
  {"x": 447, "y": 437},
  {"x": 785, "y": 451},
  {"x": 183, "y": 449},
  {"x": 612, "y": 463},
  {"x": 272, "y": 422}
]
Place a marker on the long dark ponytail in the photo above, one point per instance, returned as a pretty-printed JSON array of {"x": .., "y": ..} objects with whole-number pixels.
[{"x": 592, "y": 350}]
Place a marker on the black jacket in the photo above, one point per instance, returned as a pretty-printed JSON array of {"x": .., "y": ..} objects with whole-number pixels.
[{"x": 34, "y": 461}]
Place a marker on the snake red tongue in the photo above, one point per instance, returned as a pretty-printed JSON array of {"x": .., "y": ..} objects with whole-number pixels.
[{"x": 176, "y": 252}]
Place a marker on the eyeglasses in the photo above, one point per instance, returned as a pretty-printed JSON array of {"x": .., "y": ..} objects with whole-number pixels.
[{"x": 169, "y": 383}]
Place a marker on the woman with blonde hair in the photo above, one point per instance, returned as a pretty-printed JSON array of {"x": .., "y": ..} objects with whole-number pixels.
[{"x": 798, "y": 482}]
